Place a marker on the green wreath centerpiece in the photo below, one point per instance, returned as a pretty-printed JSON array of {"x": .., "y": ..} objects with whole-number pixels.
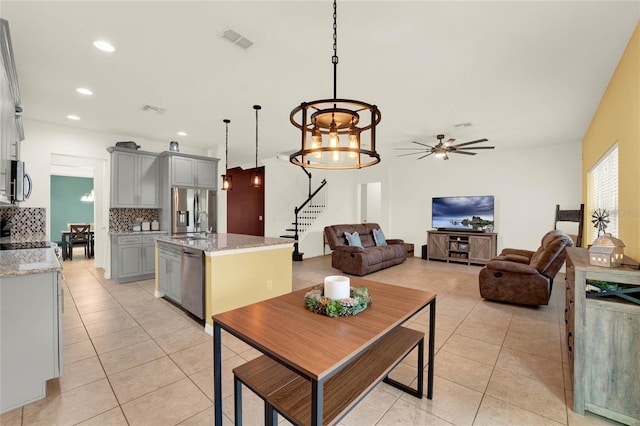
[{"x": 358, "y": 301}]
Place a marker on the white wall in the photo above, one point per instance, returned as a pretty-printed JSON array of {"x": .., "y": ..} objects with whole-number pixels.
[{"x": 526, "y": 183}]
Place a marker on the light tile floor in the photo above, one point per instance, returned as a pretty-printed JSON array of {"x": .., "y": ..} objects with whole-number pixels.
[{"x": 130, "y": 358}]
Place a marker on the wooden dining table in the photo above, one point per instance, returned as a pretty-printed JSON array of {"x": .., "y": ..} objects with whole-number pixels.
[
  {"x": 66, "y": 244},
  {"x": 318, "y": 350}
]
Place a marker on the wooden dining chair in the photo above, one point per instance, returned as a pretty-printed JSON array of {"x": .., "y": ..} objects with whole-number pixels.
[{"x": 79, "y": 236}]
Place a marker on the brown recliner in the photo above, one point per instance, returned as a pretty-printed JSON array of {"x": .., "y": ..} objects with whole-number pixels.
[{"x": 523, "y": 276}]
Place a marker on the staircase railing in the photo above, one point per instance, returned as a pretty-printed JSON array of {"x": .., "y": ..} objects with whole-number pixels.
[
  {"x": 296, "y": 253},
  {"x": 304, "y": 218}
]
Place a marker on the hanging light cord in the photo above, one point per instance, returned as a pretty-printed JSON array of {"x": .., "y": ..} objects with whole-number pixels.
[
  {"x": 257, "y": 107},
  {"x": 226, "y": 146},
  {"x": 334, "y": 58}
]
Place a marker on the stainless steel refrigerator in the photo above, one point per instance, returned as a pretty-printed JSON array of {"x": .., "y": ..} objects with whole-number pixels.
[{"x": 193, "y": 210}]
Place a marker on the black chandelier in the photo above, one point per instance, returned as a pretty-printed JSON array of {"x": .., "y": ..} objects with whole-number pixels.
[
  {"x": 345, "y": 121},
  {"x": 227, "y": 184}
]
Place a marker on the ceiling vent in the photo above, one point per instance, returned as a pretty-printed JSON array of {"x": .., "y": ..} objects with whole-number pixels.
[
  {"x": 235, "y": 38},
  {"x": 151, "y": 108}
]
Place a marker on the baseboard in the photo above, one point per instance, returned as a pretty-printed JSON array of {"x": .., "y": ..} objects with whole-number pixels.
[{"x": 208, "y": 329}]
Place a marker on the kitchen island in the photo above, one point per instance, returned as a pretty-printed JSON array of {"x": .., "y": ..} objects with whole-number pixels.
[{"x": 237, "y": 269}]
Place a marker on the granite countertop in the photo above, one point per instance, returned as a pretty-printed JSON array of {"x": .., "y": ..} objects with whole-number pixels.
[
  {"x": 136, "y": 232},
  {"x": 29, "y": 261},
  {"x": 213, "y": 244}
]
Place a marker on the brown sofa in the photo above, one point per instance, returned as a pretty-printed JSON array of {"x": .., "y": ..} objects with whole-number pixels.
[
  {"x": 366, "y": 259},
  {"x": 523, "y": 276}
]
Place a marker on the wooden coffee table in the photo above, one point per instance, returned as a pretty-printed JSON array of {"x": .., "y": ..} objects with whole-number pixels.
[{"x": 315, "y": 368}]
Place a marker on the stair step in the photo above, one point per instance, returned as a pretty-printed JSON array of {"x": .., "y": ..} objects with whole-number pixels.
[{"x": 293, "y": 237}]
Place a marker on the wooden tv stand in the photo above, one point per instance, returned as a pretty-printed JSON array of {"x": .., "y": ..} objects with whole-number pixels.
[{"x": 459, "y": 246}]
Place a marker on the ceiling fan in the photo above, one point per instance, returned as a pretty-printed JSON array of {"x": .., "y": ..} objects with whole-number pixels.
[{"x": 442, "y": 149}]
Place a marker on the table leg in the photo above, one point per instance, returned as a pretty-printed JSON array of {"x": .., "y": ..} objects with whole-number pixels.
[
  {"x": 317, "y": 399},
  {"x": 432, "y": 335},
  {"x": 421, "y": 368},
  {"x": 237, "y": 401},
  {"x": 270, "y": 416},
  {"x": 217, "y": 374}
]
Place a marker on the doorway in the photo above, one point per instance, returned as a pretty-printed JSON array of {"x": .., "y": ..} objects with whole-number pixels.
[
  {"x": 371, "y": 202},
  {"x": 71, "y": 203},
  {"x": 95, "y": 168}
]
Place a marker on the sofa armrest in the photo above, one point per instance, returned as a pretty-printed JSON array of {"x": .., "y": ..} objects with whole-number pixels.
[
  {"x": 527, "y": 253},
  {"x": 517, "y": 258},
  {"x": 505, "y": 265},
  {"x": 395, "y": 241},
  {"x": 349, "y": 249}
]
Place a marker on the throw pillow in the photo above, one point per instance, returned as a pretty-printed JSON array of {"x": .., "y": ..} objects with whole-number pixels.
[
  {"x": 353, "y": 239},
  {"x": 378, "y": 237}
]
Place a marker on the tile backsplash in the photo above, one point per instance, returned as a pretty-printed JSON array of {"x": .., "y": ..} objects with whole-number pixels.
[
  {"x": 121, "y": 220},
  {"x": 25, "y": 223}
]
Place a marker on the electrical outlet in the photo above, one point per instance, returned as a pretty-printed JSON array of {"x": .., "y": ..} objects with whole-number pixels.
[{"x": 269, "y": 285}]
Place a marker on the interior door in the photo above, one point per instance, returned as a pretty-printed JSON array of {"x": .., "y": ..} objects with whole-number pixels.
[
  {"x": 245, "y": 205},
  {"x": 371, "y": 202}
]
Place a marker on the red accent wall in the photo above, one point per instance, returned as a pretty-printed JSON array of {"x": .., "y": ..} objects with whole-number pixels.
[{"x": 245, "y": 205}]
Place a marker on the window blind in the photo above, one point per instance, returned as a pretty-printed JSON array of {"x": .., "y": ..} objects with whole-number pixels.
[{"x": 604, "y": 189}]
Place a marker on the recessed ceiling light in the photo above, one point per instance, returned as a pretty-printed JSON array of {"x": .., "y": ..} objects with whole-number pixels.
[
  {"x": 105, "y": 46},
  {"x": 84, "y": 91},
  {"x": 73, "y": 117},
  {"x": 182, "y": 133}
]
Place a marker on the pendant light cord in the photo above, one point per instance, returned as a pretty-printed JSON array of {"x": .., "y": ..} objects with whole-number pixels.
[
  {"x": 334, "y": 59},
  {"x": 257, "y": 108},
  {"x": 226, "y": 146}
]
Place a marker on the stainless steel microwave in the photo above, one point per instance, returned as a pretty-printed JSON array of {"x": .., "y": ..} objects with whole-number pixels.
[{"x": 19, "y": 182}]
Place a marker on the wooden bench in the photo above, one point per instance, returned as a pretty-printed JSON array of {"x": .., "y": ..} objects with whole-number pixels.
[{"x": 289, "y": 394}]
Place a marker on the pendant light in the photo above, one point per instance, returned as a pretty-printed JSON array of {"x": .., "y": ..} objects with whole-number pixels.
[
  {"x": 256, "y": 176},
  {"x": 227, "y": 184},
  {"x": 339, "y": 119}
]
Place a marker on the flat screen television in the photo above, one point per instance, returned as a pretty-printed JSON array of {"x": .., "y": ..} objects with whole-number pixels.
[{"x": 469, "y": 214}]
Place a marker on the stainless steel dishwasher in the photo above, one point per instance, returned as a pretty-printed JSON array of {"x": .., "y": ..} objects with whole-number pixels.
[{"x": 192, "y": 274}]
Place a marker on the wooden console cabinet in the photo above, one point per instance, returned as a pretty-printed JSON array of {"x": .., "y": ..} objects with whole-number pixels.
[
  {"x": 603, "y": 341},
  {"x": 465, "y": 247}
]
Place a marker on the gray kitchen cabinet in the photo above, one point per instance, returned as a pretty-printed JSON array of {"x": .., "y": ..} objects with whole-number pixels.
[
  {"x": 31, "y": 336},
  {"x": 133, "y": 257},
  {"x": 148, "y": 257},
  {"x": 169, "y": 275},
  {"x": 192, "y": 171},
  {"x": 134, "y": 179},
  {"x": 10, "y": 122}
]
